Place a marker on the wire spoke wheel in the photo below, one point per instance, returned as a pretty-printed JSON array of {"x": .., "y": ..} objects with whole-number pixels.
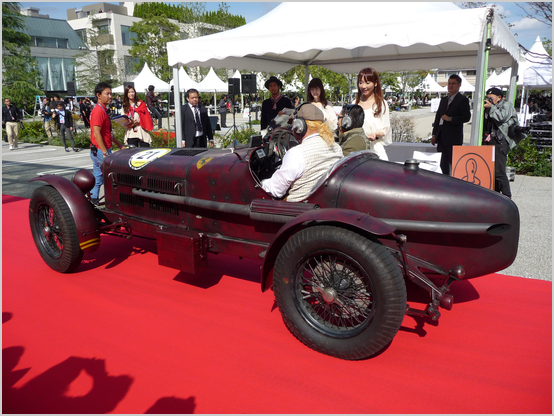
[
  {"x": 339, "y": 292},
  {"x": 334, "y": 293},
  {"x": 54, "y": 230}
]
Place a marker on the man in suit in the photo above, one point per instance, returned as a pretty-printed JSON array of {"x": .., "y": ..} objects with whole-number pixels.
[
  {"x": 448, "y": 128},
  {"x": 196, "y": 125}
]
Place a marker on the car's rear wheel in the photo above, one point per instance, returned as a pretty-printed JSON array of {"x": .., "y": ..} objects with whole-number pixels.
[
  {"x": 338, "y": 292},
  {"x": 54, "y": 230}
]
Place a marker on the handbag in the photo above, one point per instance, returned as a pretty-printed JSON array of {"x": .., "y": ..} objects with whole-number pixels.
[{"x": 515, "y": 132}]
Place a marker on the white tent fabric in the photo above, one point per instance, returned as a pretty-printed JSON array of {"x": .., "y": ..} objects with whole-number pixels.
[
  {"x": 466, "y": 86},
  {"x": 430, "y": 85},
  {"x": 143, "y": 80},
  {"x": 185, "y": 81},
  {"x": 212, "y": 83},
  {"x": 394, "y": 41},
  {"x": 538, "y": 72},
  {"x": 333, "y": 39},
  {"x": 491, "y": 81}
]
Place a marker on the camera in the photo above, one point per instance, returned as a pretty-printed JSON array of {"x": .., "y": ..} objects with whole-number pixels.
[{"x": 489, "y": 100}]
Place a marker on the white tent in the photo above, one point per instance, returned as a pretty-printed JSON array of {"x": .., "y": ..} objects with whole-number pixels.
[
  {"x": 143, "y": 80},
  {"x": 430, "y": 85},
  {"x": 185, "y": 81},
  {"x": 212, "y": 83},
  {"x": 332, "y": 38},
  {"x": 466, "y": 86},
  {"x": 491, "y": 80},
  {"x": 538, "y": 72}
]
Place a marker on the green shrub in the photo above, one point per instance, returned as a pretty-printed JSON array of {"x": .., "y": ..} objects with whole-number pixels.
[
  {"x": 241, "y": 135},
  {"x": 527, "y": 160},
  {"x": 33, "y": 132}
]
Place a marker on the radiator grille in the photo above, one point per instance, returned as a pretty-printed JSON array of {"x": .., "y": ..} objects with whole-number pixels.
[
  {"x": 129, "y": 199},
  {"x": 161, "y": 185},
  {"x": 188, "y": 152},
  {"x": 128, "y": 179},
  {"x": 164, "y": 207}
]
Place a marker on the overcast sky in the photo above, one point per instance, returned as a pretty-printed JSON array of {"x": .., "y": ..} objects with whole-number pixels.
[{"x": 527, "y": 29}]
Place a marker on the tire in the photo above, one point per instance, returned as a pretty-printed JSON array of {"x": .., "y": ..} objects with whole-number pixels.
[
  {"x": 338, "y": 292},
  {"x": 54, "y": 230}
]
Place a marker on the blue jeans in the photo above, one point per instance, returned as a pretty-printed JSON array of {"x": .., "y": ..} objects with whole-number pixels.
[{"x": 97, "y": 172}]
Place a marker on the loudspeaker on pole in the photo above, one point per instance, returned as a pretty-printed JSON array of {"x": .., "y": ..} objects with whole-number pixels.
[
  {"x": 234, "y": 86},
  {"x": 249, "y": 83}
]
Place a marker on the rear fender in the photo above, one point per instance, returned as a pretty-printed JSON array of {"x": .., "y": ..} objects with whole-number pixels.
[
  {"x": 81, "y": 210},
  {"x": 330, "y": 216}
]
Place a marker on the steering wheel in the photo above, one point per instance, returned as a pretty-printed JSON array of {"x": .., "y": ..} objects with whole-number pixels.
[{"x": 284, "y": 140}]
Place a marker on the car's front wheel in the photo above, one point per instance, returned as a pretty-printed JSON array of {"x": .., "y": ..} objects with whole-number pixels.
[
  {"x": 338, "y": 292},
  {"x": 54, "y": 230}
]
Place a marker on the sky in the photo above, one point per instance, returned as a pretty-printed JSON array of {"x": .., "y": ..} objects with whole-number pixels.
[{"x": 527, "y": 29}]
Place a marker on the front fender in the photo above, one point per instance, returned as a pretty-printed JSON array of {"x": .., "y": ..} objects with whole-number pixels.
[
  {"x": 334, "y": 216},
  {"x": 81, "y": 210}
]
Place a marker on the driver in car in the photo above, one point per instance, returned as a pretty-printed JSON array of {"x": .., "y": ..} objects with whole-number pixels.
[{"x": 305, "y": 164}]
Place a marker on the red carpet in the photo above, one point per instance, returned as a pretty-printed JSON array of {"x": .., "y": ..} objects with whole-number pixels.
[{"x": 125, "y": 335}]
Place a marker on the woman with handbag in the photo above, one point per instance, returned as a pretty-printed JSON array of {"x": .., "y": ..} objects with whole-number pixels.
[{"x": 141, "y": 121}]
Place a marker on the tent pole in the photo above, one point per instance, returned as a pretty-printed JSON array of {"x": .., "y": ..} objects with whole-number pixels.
[
  {"x": 482, "y": 64},
  {"x": 513, "y": 83},
  {"x": 178, "y": 132},
  {"x": 306, "y": 82}
]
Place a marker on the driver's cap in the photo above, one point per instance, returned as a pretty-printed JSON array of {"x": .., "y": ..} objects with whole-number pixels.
[{"x": 310, "y": 112}]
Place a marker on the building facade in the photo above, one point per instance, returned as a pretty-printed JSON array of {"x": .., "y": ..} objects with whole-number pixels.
[{"x": 55, "y": 45}]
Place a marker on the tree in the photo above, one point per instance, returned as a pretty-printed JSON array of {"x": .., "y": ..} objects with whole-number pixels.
[
  {"x": 149, "y": 46},
  {"x": 410, "y": 81},
  {"x": 20, "y": 75}
]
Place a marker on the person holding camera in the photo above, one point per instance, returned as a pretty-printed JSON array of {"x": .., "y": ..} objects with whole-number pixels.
[
  {"x": 448, "y": 128},
  {"x": 151, "y": 99},
  {"x": 222, "y": 108},
  {"x": 11, "y": 116},
  {"x": 499, "y": 115},
  {"x": 47, "y": 115}
]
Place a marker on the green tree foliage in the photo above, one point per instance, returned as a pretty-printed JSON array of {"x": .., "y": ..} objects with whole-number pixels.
[
  {"x": 547, "y": 43},
  {"x": 192, "y": 12},
  {"x": 20, "y": 76},
  {"x": 153, "y": 33}
]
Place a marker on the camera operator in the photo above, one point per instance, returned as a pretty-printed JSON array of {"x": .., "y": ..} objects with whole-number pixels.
[
  {"x": 499, "y": 115},
  {"x": 47, "y": 115}
]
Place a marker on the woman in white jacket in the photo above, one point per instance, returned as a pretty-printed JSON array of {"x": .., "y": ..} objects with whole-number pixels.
[
  {"x": 316, "y": 96},
  {"x": 376, "y": 111}
]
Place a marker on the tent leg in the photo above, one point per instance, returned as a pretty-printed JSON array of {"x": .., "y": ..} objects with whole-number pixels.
[
  {"x": 178, "y": 115},
  {"x": 482, "y": 64}
]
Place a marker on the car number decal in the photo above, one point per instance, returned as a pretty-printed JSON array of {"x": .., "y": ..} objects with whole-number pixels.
[
  {"x": 203, "y": 161},
  {"x": 141, "y": 159}
]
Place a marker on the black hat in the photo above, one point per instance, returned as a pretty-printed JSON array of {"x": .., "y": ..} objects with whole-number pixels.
[
  {"x": 273, "y": 79},
  {"x": 495, "y": 91}
]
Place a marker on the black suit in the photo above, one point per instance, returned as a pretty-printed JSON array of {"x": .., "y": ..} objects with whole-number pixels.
[
  {"x": 451, "y": 133},
  {"x": 188, "y": 127}
]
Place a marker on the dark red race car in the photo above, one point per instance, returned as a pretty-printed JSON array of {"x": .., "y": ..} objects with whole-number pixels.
[{"x": 338, "y": 263}]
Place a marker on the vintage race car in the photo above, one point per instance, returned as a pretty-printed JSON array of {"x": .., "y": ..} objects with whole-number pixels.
[{"x": 338, "y": 263}]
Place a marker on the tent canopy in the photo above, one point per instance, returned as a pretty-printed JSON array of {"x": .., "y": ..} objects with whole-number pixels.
[
  {"x": 334, "y": 39},
  {"x": 212, "y": 83},
  {"x": 143, "y": 80},
  {"x": 185, "y": 81},
  {"x": 430, "y": 85},
  {"x": 538, "y": 71},
  {"x": 466, "y": 86}
]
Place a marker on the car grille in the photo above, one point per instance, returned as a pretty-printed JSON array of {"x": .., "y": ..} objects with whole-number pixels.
[{"x": 188, "y": 152}]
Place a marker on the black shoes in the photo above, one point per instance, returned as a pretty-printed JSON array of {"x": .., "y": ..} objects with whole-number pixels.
[
  {"x": 75, "y": 149},
  {"x": 67, "y": 149}
]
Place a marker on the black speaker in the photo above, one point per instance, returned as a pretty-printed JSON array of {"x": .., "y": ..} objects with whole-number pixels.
[
  {"x": 234, "y": 86},
  {"x": 248, "y": 83},
  {"x": 71, "y": 89},
  {"x": 132, "y": 84}
]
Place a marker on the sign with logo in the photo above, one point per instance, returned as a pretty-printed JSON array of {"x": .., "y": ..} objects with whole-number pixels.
[
  {"x": 141, "y": 159},
  {"x": 474, "y": 164}
]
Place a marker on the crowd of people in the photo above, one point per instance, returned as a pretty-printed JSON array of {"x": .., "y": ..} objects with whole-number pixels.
[{"x": 363, "y": 124}]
